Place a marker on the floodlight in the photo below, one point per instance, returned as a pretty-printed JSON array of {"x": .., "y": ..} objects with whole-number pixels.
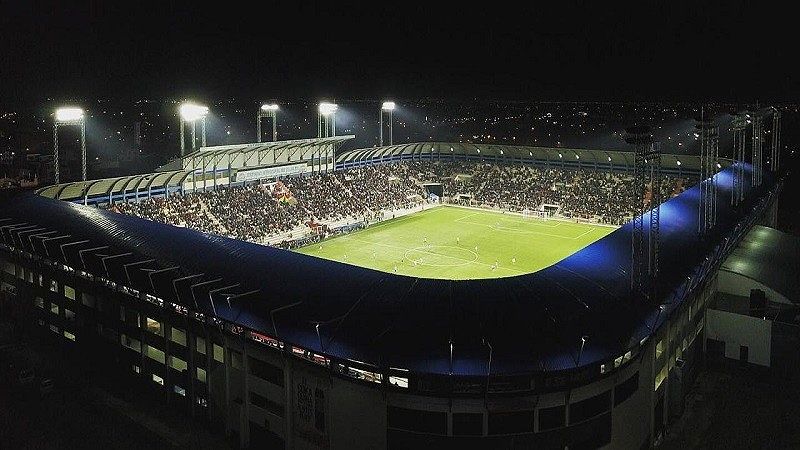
[
  {"x": 679, "y": 162},
  {"x": 69, "y": 114},
  {"x": 272, "y": 107},
  {"x": 191, "y": 112},
  {"x": 388, "y": 106},
  {"x": 326, "y": 109}
]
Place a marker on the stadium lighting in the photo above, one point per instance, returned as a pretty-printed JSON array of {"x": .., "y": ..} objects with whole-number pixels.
[
  {"x": 191, "y": 113},
  {"x": 326, "y": 109},
  {"x": 326, "y": 119},
  {"x": 560, "y": 155},
  {"x": 678, "y": 162},
  {"x": 69, "y": 115},
  {"x": 609, "y": 159},
  {"x": 269, "y": 111},
  {"x": 388, "y": 109}
]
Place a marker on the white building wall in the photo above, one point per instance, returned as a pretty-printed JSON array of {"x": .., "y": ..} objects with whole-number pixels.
[{"x": 736, "y": 330}]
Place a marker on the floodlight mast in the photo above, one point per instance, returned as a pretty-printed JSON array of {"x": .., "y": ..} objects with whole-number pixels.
[
  {"x": 326, "y": 119},
  {"x": 69, "y": 116},
  {"x": 267, "y": 111},
  {"x": 386, "y": 108},
  {"x": 190, "y": 113}
]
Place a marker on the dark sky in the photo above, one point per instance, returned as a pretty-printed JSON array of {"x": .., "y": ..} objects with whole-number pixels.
[{"x": 297, "y": 49}]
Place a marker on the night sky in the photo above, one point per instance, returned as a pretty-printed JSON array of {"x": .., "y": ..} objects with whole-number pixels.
[{"x": 727, "y": 51}]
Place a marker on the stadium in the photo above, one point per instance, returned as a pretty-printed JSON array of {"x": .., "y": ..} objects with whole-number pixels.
[{"x": 436, "y": 293}]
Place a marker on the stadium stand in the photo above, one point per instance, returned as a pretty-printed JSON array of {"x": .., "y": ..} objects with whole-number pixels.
[{"x": 258, "y": 212}]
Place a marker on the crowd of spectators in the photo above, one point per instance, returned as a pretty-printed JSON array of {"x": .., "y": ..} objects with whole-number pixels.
[{"x": 257, "y": 212}]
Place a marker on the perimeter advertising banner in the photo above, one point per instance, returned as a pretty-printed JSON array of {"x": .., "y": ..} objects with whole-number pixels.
[{"x": 270, "y": 172}]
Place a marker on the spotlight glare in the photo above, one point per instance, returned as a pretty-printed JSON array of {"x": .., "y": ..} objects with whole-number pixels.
[
  {"x": 388, "y": 106},
  {"x": 326, "y": 109},
  {"x": 272, "y": 107},
  {"x": 191, "y": 112},
  {"x": 69, "y": 114}
]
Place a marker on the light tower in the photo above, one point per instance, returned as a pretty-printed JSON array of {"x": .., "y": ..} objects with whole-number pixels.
[
  {"x": 190, "y": 113},
  {"x": 70, "y": 116},
  {"x": 326, "y": 119},
  {"x": 739, "y": 127},
  {"x": 775, "y": 157},
  {"x": 646, "y": 176},
  {"x": 387, "y": 108},
  {"x": 270, "y": 112},
  {"x": 708, "y": 134}
]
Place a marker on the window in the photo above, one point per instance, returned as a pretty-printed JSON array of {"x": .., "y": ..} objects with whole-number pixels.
[
  {"x": 266, "y": 404},
  {"x": 416, "y": 420},
  {"x": 54, "y": 285},
  {"x": 265, "y": 371},
  {"x": 662, "y": 374},
  {"x": 69, "y": 335},
  {"x": 55, "y": 329},
  {"x": 201, "y": 345},
  {"x": 236, "y": 359},
  {"x": 39, "y": 302},
  {"x": 54, "y": 308},
  {"x": 177, "y": 336},
  {"x": 177, "y": 363},
  {"x": 137, "y": 369},
  {"x": 201, "y": 374},
  {"x": 88, "y": 300},
  {"x": 9, "y": 268},
  {"x": 154, "y": 353},
  {"x": 467, "y": 424},
  {"x": 626, "y": 389},
  {"x": 552, "y": 417},
  {"x": 129, "y": 316},
  {"x": 511, "y": 422},
  {"x": 401, "y": 382},
  {"x": 659, "y": 348},
  {"x": 158, "y": 379},
  {"x": 69, "y": 314},
  {"x": 179, "y": 390},
  {"x": 154, "y": 327},
  {"x": 131, "y": 343},
  {"x": 591, "y": 407},
  {"x": 69, "y": 292},
  {"x": 219, "y": 353}
]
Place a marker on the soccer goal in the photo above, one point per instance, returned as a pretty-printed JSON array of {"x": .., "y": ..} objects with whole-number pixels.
[{"x": 535, "y": 214}]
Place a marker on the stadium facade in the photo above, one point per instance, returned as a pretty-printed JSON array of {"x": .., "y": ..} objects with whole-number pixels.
[{"x": 281, "y": 349}]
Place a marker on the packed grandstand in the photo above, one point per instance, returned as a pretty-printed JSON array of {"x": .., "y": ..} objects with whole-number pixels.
[{"x": 284, "y": 210}]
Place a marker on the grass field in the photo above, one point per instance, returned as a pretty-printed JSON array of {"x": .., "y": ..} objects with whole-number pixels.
[{"x": 459, "y": 244}]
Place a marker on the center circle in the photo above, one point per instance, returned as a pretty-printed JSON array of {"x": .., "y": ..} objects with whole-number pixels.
[{"x": 441, "y": 255}]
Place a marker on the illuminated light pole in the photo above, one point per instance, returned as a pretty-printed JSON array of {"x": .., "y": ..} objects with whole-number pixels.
[
  {"x": 387, "y": 108},
  {"x": 190, "y": 113},
  {"x": 271, "y": 112},
  {"x": 70, "y": 116},
  {"x": 326, "y": 119}
]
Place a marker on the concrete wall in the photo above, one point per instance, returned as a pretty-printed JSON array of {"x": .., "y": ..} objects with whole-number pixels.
[{"x": 736, "y": 329}]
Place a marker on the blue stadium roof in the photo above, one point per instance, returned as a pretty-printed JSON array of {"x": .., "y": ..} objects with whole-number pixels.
[{"x": 533, "y": 322}]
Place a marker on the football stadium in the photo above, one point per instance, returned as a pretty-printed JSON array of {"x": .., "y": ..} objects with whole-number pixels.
[{"x": 435, "y": 293}]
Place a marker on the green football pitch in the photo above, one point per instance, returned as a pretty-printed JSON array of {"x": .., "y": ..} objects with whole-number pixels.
[{"x": 459, "y": 244}]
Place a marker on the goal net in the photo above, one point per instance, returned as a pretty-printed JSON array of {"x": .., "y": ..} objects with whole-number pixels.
[{"x": 535, "y": 214}]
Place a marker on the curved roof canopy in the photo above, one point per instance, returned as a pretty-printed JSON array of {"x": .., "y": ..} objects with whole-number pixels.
[
  {"x": 577, "y": 313},
  {"x": 552, "y": 155}
]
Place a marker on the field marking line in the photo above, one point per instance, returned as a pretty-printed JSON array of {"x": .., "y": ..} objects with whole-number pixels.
[{"x": 397, "y": 247}]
